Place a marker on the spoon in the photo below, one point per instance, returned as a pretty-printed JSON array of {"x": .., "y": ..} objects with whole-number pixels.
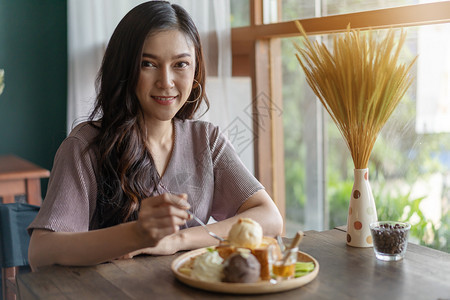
[
  {"x": 281, "y": 243},
  {"x": 205, "y": 227},
  {"x": 298, "y": 237},
  {"x": 196, "y": 218}
]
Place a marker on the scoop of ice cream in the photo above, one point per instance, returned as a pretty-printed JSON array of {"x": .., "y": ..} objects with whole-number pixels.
[
  {"x": 245, "y": 233},
  {"x": 241, "y": 268},
  {"x": 208, "y": 267}
]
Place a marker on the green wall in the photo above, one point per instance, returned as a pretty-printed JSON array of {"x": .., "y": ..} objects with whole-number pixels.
[{"x": 33, "y": 53}]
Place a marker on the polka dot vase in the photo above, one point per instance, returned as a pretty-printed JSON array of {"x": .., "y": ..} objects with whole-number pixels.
[{"x": 361, "y": 211}]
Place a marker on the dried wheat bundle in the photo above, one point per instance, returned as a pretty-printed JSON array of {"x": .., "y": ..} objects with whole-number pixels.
[{"x": 359, "y": 84}]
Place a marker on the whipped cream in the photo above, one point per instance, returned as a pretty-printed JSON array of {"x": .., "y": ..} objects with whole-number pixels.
[{"x": 208, "y": 267}]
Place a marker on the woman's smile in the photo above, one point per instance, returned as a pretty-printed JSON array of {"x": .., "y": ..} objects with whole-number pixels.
[{"x": 165, "y": 100}]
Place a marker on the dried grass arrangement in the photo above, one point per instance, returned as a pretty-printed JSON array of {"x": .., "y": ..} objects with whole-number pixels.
[{"x": 359, "y": 84}]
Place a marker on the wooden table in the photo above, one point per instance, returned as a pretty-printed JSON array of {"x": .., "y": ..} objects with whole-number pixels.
[
  {"x": 20, "y": 177},
  {"x": 345, "y": 273}
]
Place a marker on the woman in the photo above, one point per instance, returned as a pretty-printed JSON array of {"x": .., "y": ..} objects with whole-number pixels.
[{"x": 121, "y": 185}]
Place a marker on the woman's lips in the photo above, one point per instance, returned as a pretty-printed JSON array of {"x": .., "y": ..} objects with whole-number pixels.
[{"x": 165, "y": 100}]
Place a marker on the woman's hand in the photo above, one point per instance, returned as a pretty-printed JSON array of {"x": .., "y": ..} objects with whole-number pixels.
[
  {"x": 161, "y": 216},
  {"x": 166, "y": 246}
]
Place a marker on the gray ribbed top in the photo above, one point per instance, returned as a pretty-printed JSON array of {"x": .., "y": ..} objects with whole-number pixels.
[{"x": 203, "y": 165}]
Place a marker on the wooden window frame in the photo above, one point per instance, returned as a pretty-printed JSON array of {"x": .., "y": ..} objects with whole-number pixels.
[{"x": 256, "y": 53}]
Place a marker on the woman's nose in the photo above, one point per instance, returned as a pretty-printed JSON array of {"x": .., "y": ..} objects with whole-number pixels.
[{"x": 165, "y": 79}]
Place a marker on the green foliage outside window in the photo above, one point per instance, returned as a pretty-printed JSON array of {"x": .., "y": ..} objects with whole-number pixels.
[
  {"x": 399, "y": 207},
  {"x": 400, "y": 158}
]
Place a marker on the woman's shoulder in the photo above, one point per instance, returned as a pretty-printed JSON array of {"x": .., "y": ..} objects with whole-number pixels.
[
  {"x": 200, "y": 132},
  {"x": 196, "y": 126},
  {"x": 85, "y": 131},
  {"x": 77, "y": 142}
]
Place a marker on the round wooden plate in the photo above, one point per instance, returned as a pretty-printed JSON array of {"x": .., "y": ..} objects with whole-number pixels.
[{"x": 261, "y": 287}]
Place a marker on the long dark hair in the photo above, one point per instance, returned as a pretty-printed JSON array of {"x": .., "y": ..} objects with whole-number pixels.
[{"x": 126, "y": 171}]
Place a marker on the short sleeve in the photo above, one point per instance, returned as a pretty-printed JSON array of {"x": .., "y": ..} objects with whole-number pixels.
[
  {"x": 233, "y": 182},
  {"x": 71, "y": 194}
]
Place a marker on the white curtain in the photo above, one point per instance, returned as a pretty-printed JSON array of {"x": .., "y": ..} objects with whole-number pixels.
[{"x": 91, "y": 24}]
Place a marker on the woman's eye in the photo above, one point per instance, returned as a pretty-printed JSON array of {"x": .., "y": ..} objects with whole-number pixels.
[
  {"x": 181, "y": 64},
  {"x": 148, "y": 64}
]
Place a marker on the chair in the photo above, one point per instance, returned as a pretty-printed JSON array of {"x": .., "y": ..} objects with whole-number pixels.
[
  {"x": 20, "y": 177},
  {"x": 14, "y": 241}
]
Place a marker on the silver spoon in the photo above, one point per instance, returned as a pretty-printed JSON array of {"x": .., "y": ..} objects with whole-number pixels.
[
  {"x": 196, "y": 218},
  {"x": 281, "y": 243},
  {"x": 205, "y": 227}
]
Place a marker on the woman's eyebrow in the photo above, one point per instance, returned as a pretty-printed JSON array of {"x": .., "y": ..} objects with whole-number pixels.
[{"x": 149, "y": 55}]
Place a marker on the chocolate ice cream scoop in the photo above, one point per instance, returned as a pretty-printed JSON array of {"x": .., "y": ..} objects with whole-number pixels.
[{"x": 241, "y": 268}]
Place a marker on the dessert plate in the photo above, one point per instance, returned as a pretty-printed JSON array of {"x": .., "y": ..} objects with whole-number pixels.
[{"x": 261, "y": 287}]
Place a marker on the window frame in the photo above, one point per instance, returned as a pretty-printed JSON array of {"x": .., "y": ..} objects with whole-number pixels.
[{"x": 256, "y": 53}]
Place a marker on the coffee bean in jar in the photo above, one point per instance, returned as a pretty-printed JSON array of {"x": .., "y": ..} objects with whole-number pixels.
[{"x": 390, "y": 239}]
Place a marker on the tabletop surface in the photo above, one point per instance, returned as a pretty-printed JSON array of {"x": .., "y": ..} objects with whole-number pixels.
[
  {"x": 345, "y": 273},
  {"x": 13, "y": 167}
]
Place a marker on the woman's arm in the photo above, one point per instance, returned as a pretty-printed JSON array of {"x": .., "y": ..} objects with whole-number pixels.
[
  {"x": 82, "y": 248},
  {"x": 159, "y": 216},
  {"x": 259, "y": 207}
]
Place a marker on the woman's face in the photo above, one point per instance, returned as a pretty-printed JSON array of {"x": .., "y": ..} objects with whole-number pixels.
[{"x": 167, "y": 74}]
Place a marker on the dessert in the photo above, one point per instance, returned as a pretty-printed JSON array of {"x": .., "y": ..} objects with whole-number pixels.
[
  {"x": 246, "y": 233},
  {"x": 208, "y": 267},
  {"x": 268, "y": 250},
  {"x": 241, "y": 267},
  {"x": 244, "y": 257}
]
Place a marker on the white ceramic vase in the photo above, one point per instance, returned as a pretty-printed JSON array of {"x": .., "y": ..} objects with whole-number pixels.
[{"x": 361, "y": 212}]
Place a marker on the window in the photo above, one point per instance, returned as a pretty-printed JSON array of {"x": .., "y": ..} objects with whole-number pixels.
[
  {"x": 239, "y": 13},
  {"x": 410, "y": 163}
]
